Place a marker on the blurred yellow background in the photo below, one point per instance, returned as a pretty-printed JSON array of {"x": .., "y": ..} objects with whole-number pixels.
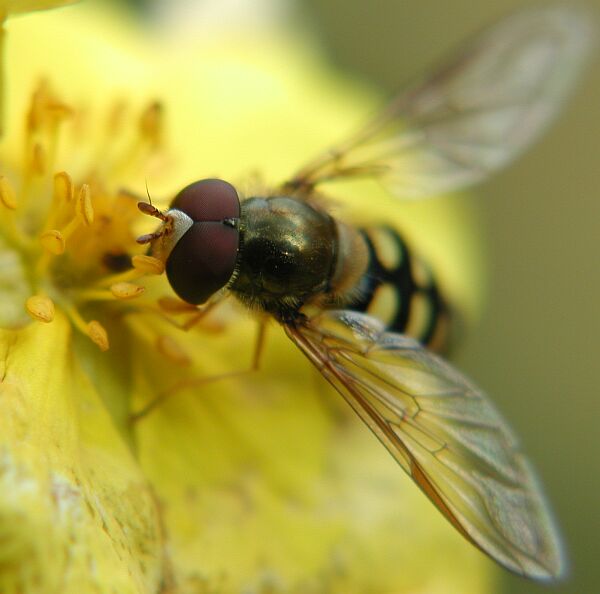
[{"x": 534, "y": 348}]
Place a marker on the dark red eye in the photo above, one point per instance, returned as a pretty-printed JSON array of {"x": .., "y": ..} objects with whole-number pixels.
[
  {"x": 204, "y": 258},
  {"x": 202, "y": 261},
  {"x": 208, "y": 200}
]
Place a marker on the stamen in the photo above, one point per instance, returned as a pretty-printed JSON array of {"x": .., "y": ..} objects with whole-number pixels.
[
  {"x": 116, "y": 117},
  {"x": 122, "y": 291},
  {"x": 40, "y": 308},
  {"x": 119, "y": 277},
  {"x": 151, "y": 123},
  {"x": 62, "y": 196},
  {"x": 172, "y": 350},
  {"x": 126, "y": 290},
  {"x": 148, "y": 265},
  {"x": 63, "y": 225},
  {"x": 53, "y": 241},
  {"x": 70, "y": 227},
  {"x": 46, "y": 110},
  {"x": 64, "y": 190},
  {"x": 35, "y": 113},
  {"x": 7, "y": 194},
  {"x": 84, "y": 205},
  {"x": 146, "y": 141},
  {"x": 57, "y": 111},
  {"x": 9, "y": 201},
  {"x": 38, "y": 160},
  {"x": 94, "y": 329},
  {"x": 98, "y": 334}
]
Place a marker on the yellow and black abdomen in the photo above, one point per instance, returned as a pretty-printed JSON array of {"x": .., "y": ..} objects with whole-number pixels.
[{"x": 399, "y": 289}]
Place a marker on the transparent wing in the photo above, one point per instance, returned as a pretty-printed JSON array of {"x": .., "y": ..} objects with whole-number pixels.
[
  {"x": 443, "y": 431},
  {"x": 474, "y": 115}
]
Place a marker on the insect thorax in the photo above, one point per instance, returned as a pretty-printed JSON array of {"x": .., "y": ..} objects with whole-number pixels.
[
  {"x": 292, "y": 254},
  {"x": 287, "y": 254}
]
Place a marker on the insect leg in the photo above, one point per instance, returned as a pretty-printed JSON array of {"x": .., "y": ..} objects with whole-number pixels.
[
  {"x": 189, "y": 383},
  {"x": 169, "y": 307}
]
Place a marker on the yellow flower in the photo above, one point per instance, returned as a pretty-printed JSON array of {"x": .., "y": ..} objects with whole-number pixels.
[{"x": 264, "y": 483}]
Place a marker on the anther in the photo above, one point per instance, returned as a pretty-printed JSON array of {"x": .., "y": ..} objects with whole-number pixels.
[
  {"x": 63, "y": 187},
  {"x": 148, "y": 264},
  {"x": 53, "y": 242},
  {"x": 7, "y": 194},
  {"x": 151, "y": 123},
  {"x": 38, "y": 160},
  {"x": 84, "y": 204},
  {"x": 35, "y": 114},
  {"x": 116, "y": 117},
  {"x": 40, "y": 308},
  {"x": 95, "y": 330},
  {"x": 126, "y": 290},
  {"x": 57, "y": 111}
]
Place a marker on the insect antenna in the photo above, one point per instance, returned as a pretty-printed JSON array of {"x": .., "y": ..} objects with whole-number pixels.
[{"x": 149, "y": 209}]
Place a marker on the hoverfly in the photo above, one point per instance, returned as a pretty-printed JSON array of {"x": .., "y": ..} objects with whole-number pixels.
[{"x": 284, "y": 255}]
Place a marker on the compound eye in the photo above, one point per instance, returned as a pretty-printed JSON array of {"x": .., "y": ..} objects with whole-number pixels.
[
  {"x": 208, "y": 200},
  {"x": 202, "y": 261}
]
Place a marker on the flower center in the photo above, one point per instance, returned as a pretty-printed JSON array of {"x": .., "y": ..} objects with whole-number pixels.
[{"x": 73, "y": 230}]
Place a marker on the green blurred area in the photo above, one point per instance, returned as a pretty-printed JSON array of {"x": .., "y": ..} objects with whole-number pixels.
[{"x": 535, "y": 347}]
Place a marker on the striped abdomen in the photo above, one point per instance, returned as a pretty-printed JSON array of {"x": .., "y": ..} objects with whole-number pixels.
[{"x": 399, "y": 289}]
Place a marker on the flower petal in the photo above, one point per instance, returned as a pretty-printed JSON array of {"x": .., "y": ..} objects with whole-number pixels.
[
  {"x": 269, "y": 483},
  {"x": 11, "y": 7},
  {"x": 14, "y": 285},
  {"x": 74, "y": 507}
]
